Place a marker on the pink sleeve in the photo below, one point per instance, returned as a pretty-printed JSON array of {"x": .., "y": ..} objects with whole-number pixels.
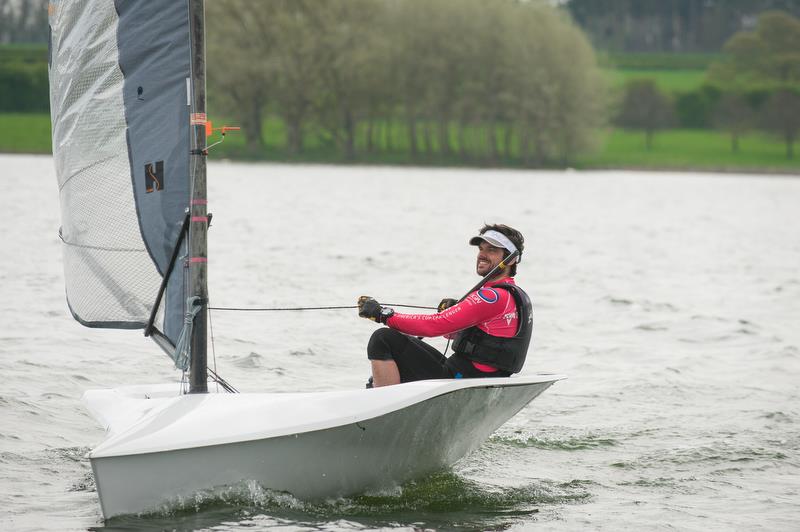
[{"x": 476, "y": 308}]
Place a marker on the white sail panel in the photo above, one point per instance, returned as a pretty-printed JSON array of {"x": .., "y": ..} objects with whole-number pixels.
[{"x": 120, "y": 128}]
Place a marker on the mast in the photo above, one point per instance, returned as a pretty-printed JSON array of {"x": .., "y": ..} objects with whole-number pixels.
[{"x": 198, "y": 229}]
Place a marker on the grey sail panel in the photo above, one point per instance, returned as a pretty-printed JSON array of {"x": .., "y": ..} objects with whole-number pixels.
[
  {"x": 155, "y": 57},
  {"x": 120, "y": 124}
]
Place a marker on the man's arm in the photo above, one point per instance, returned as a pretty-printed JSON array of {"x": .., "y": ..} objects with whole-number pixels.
[{"x": 478, "y": 307}]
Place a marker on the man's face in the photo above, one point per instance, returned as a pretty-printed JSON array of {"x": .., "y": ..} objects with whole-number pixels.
[{"x": 488, "y": 257}]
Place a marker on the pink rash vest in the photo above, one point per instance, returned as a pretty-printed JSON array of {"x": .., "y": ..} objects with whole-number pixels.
[{"x": 494, "y": 311}]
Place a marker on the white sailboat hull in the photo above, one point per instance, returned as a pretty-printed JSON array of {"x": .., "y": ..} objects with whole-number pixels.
[{"x": 311, "y": 445}]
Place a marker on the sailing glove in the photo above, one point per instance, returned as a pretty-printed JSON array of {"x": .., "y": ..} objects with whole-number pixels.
[
  {"x": 372, "y": 310},
  {"x": 446, "y": 303}
]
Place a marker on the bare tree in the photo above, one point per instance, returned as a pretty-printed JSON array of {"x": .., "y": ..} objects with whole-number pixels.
[
  {"x": 238, "y": 65},
  {"x": 645, "y": 107},
  {"x": 345, "y": 30},
  {"x": 410, "y": 32},
  {"x": 781, "y": 115},
  {"x": 734, "y": 115},
  {"x": 293, "y": 69},
  {"x": 511, "y": 76}
]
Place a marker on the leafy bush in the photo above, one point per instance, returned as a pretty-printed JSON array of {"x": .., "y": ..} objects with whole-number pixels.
[
  {"x": 695, "y": 109},
  {"x": 23, "y": 78},
  {"x": 24, "y": 87}
]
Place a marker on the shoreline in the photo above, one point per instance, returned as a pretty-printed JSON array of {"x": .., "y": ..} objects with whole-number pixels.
[{"x": 782, "y": 172}]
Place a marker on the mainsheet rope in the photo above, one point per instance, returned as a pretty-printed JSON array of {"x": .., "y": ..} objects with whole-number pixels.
[
  {"x": 213, "y": 373},
  {"x": 338, "y": 307}
]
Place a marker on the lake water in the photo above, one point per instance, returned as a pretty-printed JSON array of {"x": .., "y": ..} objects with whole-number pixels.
[{"x": 672, "y": 301}]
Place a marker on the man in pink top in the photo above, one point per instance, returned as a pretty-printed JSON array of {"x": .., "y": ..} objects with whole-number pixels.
[{"x": 491, "y": 327}]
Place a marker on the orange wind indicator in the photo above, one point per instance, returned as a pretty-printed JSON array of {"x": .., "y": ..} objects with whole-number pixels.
[{"x": 210, "y": 129}]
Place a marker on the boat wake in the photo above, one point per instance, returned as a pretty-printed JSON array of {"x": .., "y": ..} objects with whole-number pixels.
[
  {"x": 568, "y": 443},
  {"x": 436, "y": 501}
]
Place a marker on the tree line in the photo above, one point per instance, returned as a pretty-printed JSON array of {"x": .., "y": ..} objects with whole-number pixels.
[
  {"x": 464, "y": 80},
  {"x": 23, "y": 21},
  {"x": 756, "y": 85},
  {"x": 669, "y": 26},
  {"x": 461, "y": 81}
]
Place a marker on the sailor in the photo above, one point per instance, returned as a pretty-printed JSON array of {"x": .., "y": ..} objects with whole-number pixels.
[{"x": 491, "y": 327}]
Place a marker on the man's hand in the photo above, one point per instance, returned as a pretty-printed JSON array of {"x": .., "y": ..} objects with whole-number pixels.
[
  {"x": 446, "y": 303},
  {"x": 370, "y": 309}
]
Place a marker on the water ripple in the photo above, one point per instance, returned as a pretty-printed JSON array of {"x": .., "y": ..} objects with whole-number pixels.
[
  {"x": 576, "y": 443},
  {"x": 707, "y": 454}
]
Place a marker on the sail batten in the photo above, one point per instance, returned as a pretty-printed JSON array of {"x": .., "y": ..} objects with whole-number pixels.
[{"x": 121, "y": 145}]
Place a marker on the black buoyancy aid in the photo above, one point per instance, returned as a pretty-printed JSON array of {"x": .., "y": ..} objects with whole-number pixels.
[{"x": 507, "y": 354}]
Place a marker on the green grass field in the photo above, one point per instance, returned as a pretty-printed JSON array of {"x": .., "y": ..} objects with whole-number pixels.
[
  {"x": 691, "y": 149},
  {"x": 658, "y": 60},
  {"x": 667, "y": 80},
  {"x": 673, "y": 149},
  {"x": 25, "y": 133},
  {"x": 26, "y": 53},
  {"x": 672, "y": 72}
]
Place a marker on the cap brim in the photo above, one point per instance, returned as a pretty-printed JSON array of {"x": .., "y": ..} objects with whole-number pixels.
[{"x": 476, "y": 240}]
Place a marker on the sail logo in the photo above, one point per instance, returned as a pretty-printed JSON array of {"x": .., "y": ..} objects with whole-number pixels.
[{"x": 154, "y": 176}]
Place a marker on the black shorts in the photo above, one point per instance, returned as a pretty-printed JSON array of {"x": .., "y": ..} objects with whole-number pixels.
[{"x": 417, "y": 360}]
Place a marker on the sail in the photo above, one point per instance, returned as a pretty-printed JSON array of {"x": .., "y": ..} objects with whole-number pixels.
[{"x": 120, "y": 100}]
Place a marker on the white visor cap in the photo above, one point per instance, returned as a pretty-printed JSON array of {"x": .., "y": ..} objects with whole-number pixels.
[{"x": 495, "y": 238}]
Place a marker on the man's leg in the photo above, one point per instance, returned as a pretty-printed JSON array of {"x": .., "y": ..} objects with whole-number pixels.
[
  {"x": 396, "y": 357},
  {"x": 384, "y": 373}
]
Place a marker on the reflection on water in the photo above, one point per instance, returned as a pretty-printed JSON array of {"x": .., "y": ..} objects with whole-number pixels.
[{"x": 671, "y": 301}]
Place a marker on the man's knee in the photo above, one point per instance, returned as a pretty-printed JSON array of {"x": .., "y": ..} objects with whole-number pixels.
[{"x": 383, "y": 343}]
